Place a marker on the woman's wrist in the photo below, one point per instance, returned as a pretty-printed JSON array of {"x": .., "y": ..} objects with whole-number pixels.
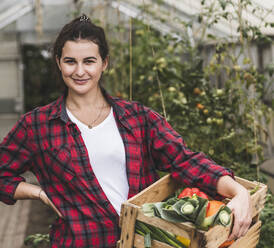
[
  {"x": 39, "y": 195},
  {"x": 26, "y": 191},
  {"x": 228, "y": 187},
  {"x": 36, "y": 192}
]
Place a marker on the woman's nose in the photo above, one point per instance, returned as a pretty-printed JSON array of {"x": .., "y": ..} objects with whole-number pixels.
[{"x": 79, "y": 70}]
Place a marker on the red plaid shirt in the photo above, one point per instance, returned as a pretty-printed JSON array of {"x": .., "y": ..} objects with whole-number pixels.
[{"x": 47, "y": 143}]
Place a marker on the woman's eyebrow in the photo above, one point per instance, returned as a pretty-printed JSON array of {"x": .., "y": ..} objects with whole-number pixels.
[
  {"x": 91, "y": 58},
  {"x": 69, "y": 58}
]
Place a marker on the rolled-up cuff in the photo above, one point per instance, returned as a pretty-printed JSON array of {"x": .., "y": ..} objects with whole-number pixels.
[
  {"x": 7, "y": 194},
  {"x": 226, "y": 172}
]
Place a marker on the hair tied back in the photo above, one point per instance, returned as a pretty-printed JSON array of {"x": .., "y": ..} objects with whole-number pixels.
[{"x": 84, "y": 18}]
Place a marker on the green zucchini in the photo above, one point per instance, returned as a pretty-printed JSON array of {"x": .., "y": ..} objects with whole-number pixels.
[{"x": 147, "y": 241}]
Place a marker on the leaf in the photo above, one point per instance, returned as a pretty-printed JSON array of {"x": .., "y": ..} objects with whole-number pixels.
[
  {"x": 178, "y": 207},
  {"x": 223, "y": 4},
  {"x": 168, "y": 214},
  {"x": 148, "y": 209}
]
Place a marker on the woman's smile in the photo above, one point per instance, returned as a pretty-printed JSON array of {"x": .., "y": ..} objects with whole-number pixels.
[{"x": 81, "y": 81}]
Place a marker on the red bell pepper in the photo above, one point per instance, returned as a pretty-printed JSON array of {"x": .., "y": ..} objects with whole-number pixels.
[{"x": 191, "y": 191}]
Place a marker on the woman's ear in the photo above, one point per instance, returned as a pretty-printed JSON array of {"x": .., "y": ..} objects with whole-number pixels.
[
  {"x": 58, "y": 62},
  {"x": 105, "y": 63}
]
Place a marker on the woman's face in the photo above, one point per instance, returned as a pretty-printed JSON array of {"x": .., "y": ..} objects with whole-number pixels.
[{"x": 81, "y": 66}]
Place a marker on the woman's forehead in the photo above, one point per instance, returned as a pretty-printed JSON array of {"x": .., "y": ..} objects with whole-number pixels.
[{"x": 80, "y": 48}]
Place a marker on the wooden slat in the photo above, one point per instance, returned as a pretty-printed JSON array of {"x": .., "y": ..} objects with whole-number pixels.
[
  {"x": 251, "y": 242},
  {"x": 249, "y": 184},
  {"x": 128, "y": 227},
  {"x": 258, "y": 200},
  {"x": 250, "y": 239},
  {"x": 139, "y": 243},
  {"x": 118, "y": 244},
  {"x": 183, "y": 229},
  {"x": 216, "y": 236},
  {"x": 253, "y": 232},
  {"x": 197, "y": 239},
  {"x": 156, "y": 192}
]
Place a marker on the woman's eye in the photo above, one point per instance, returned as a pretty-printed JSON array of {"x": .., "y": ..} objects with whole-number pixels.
[
  {"x": 89, "y": 61},
  {"x": 69, "y": 62}
]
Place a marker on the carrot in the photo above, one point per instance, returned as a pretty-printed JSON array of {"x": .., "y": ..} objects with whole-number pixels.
[
  {"x": 214, "y": 207},
  {"x": 226, "y": 244}
]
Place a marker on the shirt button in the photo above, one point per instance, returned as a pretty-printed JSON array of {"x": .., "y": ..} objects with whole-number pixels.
[{"x": 83, "y": 150}]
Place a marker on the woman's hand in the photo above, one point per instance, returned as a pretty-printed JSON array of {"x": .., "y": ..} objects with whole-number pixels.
[
  {"x": 30, "y": 191},
  {"x": 44, "y": 198},
  {"x": 240, "y": 205}
]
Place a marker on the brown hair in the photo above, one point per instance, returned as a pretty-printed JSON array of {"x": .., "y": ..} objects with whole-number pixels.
[{"x": 79, "y": 28}]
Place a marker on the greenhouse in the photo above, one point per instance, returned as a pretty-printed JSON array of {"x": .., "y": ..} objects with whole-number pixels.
[{"x": 206, "y": 68}]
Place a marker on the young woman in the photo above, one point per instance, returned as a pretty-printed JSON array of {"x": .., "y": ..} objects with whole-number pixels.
[{"x": 90, "y": 152}]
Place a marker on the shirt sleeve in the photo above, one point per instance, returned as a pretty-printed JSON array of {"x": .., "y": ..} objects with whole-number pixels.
[
  {"x": 171, "y": 154},
  {"x": 14, "y": 160}
]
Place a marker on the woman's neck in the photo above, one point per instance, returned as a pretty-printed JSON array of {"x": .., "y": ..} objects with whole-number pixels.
[{"x": 80, "y": 102}]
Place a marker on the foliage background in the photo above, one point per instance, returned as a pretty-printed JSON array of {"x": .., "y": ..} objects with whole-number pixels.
[{"x": 216, "y": 103}]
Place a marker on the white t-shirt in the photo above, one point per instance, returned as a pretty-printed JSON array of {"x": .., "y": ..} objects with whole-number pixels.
[{"x": 107, "y": 158}]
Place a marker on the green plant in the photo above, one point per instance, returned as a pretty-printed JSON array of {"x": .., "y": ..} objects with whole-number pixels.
[
  {"x": 267, "y": 218},
  {"x": 217, "y": 103},
  {"x": 37, "y": 240},
  {"x": 170, "y": 75}
]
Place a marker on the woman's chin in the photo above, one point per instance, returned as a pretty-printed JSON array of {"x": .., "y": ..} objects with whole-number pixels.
[{"x": 81, "y": 89}]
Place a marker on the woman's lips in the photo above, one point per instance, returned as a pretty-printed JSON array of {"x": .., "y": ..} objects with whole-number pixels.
[{"x": 80, "y": 81}]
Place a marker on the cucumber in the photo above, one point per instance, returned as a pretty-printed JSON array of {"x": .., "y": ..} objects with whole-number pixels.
[{"x": 224, "y": 217}]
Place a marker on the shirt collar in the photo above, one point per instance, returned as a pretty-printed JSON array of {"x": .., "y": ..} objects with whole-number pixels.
[
  {"x": 59, "y": 109},
  {"x": 114, "y": 103}
]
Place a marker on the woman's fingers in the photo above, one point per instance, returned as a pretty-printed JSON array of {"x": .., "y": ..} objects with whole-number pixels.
[
  {"x": 55, "y": 209},
  {"x": 241, "y": 208},
  {"x": 240, "y": 227},
  {"x": 44, "y": 198}
]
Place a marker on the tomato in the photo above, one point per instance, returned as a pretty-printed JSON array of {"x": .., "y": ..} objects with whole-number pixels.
[
  {"x": 186, "y": 192},
  {"x": 195, "y": 191},
  {"x": 205, "y": 111},
  {"x": 197, "y": 91},
  {"x": 203, "y": 195},
  {"x": 189, "y": 192},
  {"x": 200, "y": 106}
]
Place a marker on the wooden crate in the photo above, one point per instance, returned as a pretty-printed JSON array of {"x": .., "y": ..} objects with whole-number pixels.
[{"x": 161, "y": 190}]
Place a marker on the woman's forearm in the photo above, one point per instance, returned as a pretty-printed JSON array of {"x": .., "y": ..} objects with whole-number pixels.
[
  {"x": 228, "y": 187},
  {"x": 27, "y": 191}
]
